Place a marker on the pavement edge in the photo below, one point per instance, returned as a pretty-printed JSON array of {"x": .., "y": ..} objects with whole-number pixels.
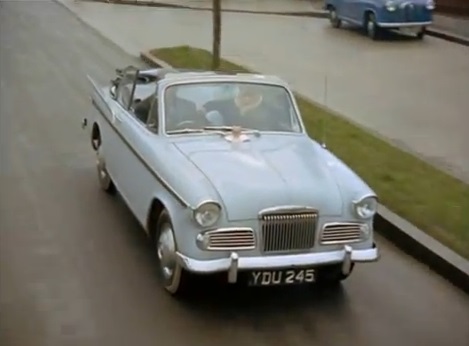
[
  {"x": 445, "y": 35},
  {"x": 400, "y": 232}
]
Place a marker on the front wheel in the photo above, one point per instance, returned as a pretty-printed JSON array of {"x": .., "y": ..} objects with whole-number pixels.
[
  {"x": 173, "y": 277},
  {"x": 333, "y": 18},
  {"x": 372, "y": 29}
]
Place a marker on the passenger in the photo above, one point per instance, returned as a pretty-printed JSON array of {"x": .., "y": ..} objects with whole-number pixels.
[{"x": 181, "y": 111}]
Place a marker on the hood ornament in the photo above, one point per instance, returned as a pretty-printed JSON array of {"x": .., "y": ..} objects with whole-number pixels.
[{"x": 236, "y": 135}]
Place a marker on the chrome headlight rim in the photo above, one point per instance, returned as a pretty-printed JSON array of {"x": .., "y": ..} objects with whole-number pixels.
[
  {"x": 210, "y": 210},
  {"x": 366, "y": 200},
  {"x": 430, "y": 5},
  {"x": 390, "y": 6}
]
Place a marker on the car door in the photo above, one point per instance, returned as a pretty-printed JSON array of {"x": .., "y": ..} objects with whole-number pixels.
[
  {"x": 123, "y": 152},
  {"x": 135, "y": 168},
  {"x": 343, "y": 8},
  {"x": 356, "y": 10},
  {"x": 103, "y": 100}
]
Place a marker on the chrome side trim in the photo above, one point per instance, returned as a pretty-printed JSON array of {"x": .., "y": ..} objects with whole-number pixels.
[{"x": 277, "y": 262}]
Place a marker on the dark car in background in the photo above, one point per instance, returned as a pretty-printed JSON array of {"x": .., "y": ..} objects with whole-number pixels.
[{"x": 375, "y": 16}]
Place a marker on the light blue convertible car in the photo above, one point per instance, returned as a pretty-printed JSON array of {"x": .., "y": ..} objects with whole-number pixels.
[
  {"x": 409, "y": 16},
  {"x": 220, "y": 172}
]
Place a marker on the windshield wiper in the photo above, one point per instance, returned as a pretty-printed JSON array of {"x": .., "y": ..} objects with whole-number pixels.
[{"x": 182, "y": 131}]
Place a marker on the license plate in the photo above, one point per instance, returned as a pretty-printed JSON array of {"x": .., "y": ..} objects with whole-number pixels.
[
  {"x": 410, "y": 31},
  {"x": 281, "y": 277}
]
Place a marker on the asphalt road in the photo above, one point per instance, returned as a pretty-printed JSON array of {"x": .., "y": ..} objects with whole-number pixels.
[{"x": 76, "y": 269}]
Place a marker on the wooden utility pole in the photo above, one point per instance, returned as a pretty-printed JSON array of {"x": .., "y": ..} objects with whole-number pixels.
[{"x": 216, "y": 9}]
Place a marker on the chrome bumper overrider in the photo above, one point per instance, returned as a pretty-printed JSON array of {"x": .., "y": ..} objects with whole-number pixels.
[{"x": 235, "y": 263}]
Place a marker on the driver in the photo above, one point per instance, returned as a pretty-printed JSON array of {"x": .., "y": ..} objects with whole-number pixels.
[
  {"x": 247, "y": 109},
  {"x": 179, "y": 110}
]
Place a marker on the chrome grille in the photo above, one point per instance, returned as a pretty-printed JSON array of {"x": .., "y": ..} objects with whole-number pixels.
[
  {"x": 230, "y": 239},
  {"x": 338, "y": 233},
  {"x": 410, "y": 11},
  {"x": 288, "y": 231}
]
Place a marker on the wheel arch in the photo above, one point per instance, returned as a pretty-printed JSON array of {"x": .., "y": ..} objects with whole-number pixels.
[
  {"x": 154, "y": 211},
  {"x": 156, "y": 205},
  {"x": 366, "y": 14}
]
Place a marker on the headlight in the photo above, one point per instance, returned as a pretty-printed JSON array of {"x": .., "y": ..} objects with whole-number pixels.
[
  {"x": 366, "y": 207},
  {"x": 430, "y": 5},
  {"x": 207, "y": 214},
  {"x": 390, "y": 6}
]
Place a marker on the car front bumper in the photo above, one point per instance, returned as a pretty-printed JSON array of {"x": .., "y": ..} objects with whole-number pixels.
[
  {"x": 234, "y": 263},
  {"x": 394, "y": 25}
]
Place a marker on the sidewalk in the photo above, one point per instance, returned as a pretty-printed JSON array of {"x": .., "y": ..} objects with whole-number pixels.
[
  {"x": 451, "y": 24},
  {"x": 412, "y": 93}
]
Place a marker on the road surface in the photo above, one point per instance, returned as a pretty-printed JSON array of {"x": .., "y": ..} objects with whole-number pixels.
[
  {"x": 76, "y": 269},
  {"x": 412, "y": 93}
]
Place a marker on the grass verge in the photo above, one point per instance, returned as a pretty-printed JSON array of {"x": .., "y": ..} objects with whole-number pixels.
[{"x": 429, "y": 198}]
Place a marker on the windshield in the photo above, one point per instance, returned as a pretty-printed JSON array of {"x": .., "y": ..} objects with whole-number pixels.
[{"x": 197, "y": 107}]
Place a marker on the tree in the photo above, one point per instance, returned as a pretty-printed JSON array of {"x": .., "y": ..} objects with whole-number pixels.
[{"x": 216, "y": 9}]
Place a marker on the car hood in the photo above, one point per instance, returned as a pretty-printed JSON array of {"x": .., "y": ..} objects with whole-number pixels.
[{"x": 264, "y": 172}]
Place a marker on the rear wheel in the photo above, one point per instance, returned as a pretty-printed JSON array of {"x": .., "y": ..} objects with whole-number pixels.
[
  {"x": 174, "y": 279},
  {"x": 333, "y": 18},
  {"x": 105, "y": 181}
]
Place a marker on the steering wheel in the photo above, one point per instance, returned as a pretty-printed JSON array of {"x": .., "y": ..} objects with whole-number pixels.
[{"x": 185, "y": 123}]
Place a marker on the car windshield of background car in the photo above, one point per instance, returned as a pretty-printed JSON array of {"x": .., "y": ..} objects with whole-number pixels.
[{"x": 257, "y": 106}]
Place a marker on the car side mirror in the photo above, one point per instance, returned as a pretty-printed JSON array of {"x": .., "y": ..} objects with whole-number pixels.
[{"x": 113, "y": 91}]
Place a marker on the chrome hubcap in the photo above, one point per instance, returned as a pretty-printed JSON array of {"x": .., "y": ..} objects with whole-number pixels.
[
  {"x": 371, "y": 27},
  {"x": 166, "y": 250},
  {"x": 102, "y": 172}
]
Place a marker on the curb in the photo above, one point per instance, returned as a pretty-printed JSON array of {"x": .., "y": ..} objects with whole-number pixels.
[
  {"x": 153, "y": 61},
  {"x": 400, "y": 232},
  {"x": 424, "y": 248},
  {"x": 445, "y": 35}
]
